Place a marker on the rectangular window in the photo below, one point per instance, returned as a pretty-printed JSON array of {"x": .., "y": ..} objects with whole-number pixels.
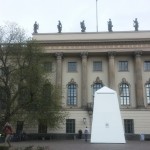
[
  {"x": 147, "y": 66},
  {"x": 129, "y": 125},
  {"x": 47, "y": 66},
  {"x": 148, "y": 93},
  {"x": 19, "y": 127},
  {"x": 72, "y": 94},
  {"x": 70, "y": 125},
  {"x": 97, "y": 66},
  {"x": 123, "y": 65},
  {"x": 42, "y": 128},
  {"x": 72, "y": 66}
]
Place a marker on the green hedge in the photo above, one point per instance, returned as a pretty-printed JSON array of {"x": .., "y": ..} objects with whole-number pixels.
[{"x": 3, "y": 147}]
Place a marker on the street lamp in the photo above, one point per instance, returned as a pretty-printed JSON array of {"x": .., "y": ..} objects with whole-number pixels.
[{"x": 84, "y": 120}]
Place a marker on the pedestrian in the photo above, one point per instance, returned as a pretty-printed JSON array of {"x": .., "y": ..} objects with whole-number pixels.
[
  {"x": 86, "y": 132},
  {"x": 8, "y": 132}
]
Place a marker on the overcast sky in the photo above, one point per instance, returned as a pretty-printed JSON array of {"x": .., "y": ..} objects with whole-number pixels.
[{"x": 72, "y": 12}]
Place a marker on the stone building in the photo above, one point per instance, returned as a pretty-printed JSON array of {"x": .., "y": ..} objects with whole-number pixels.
[{"x": 84, "y": 62}]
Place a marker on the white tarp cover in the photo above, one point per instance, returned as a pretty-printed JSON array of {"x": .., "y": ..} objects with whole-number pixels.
[{"x": 107, "y": 123}]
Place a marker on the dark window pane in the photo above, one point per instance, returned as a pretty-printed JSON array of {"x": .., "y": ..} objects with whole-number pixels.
[
  {"x": 129, "y": 125},
  {"x": 72, "y": 94},
  {"x": 124, "y": 94},
  {"x": 123, "y": 66},
  {"x": 148, "y": 92},
  {"x": 72, "y": 66},
  {"x": 97, "y": 66},
  {"x": 42, "y": 128},
  {"x": 47, "y": 66},
  {"x": 19, "y": 127},
  {"x": 96, "y": 86},
  {"x": 147, "y": 66},
  {"x": 70, "y": 125}
]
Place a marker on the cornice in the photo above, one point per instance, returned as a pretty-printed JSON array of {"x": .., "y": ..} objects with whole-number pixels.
[{"x": 92, "y": 37}]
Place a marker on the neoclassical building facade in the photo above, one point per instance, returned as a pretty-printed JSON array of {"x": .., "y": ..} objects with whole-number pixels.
[{"x": 84, "y": 62}]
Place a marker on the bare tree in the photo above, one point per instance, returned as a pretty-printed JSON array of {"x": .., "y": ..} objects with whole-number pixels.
[{"x": 25, "y": 92}]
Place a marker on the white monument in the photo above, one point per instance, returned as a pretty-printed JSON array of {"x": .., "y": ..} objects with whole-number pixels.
[{"x": 107, "y": 124}]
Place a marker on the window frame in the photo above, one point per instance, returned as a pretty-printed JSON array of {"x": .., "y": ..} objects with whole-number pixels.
[
  {"x": 72, "y": 66},
  {"x": 124, "y": 89},
  {"x": 48, "y": 66},
  {"x": 97, "y": 68},
  {"x": 147, "y": 66},
  {"x": 42, "y": 126},
  {"x": 72, "y": 94},
  {"x": 147, "y": 91},
  {"x": 129, "y": 126},
  {"x": 123, "y": 66},
  {"x": 70, "y": 125}
]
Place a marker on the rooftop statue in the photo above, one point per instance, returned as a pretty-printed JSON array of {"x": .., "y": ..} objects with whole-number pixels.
[
  {"x": 82, "y": 24},
  {"x": 35, "y": 27},
  {"x": 59, "y": 26},
  {"x": 110, "y": 25},
  {"x": 135, "y": 24}
]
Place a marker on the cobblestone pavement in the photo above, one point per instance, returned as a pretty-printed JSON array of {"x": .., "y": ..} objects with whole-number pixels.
[{"x": 81, "y": 145}]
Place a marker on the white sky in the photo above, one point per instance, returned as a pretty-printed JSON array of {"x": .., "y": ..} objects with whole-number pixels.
[{"x": 71, "y": 12}]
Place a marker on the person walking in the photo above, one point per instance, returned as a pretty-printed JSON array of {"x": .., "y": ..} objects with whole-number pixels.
[
  {"x": 86, "y": 132},
  {"x": 8, "y": 132}
]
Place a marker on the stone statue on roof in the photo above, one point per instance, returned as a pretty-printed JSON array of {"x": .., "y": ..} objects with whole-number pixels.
[
  {"x": 59, "y": 26},
  {"x": 110, "y": 25},
  {"x": 82, "y": 24},
  {"x": 35, "y": 27},
  {"x": 135, "y": 24}
]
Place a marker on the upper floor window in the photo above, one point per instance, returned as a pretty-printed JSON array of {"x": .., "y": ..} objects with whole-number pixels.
[
  {"x": 148, "y": 92},
  {"x": 72, "y": 66},
  {"x": 147, "y": 66},
  {"x": 123, "y": 65},
  {"x": 47, "y": 66},
  {"x": 124, "y": 93},
  {"x": 72, "y": 93},
  {"x": 97, "y": 66},
  {"x": 70, "y": 125}
]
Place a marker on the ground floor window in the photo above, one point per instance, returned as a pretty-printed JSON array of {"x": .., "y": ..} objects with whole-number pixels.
[
  {"x": 70, "y": 125},
  {"x": 19, "y": 127},
  {"x": 42, "y": 128},
  {"x": 129, "y": 125}
]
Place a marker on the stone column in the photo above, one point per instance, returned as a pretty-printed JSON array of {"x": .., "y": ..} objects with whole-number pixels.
[
  {"x": 84, "y": 95},
  {"x": 111, "y": 70},
  {"x": 59, "y": 69},
  {"x": 138, "y": 80}
]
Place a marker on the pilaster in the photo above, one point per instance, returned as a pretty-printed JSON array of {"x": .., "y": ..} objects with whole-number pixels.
[
  {"x": 84, "y": 79},
  {"x": 138, "y": 79}
]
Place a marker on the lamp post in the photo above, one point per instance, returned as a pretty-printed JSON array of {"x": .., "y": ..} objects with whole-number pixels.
[{"x": 84, "y": 120}]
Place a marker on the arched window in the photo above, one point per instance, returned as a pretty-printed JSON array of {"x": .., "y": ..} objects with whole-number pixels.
[
  {"x": 124, "y": 93},
  {"x": 148, "y": 92},
  {"x": 72, "y": 93},
  {"x": 97, "y": 85}
]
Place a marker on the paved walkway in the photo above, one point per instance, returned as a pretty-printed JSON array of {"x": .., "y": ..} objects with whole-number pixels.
[{"x": 81, "y": 145}]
